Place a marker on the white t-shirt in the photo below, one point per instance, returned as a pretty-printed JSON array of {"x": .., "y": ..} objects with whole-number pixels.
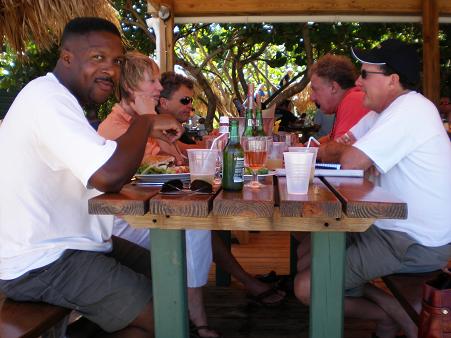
[
  {"x": 48, "y": 152},
  {"x": 412, "y": 152}
]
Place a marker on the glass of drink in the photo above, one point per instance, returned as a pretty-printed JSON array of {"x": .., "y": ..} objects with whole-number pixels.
[
  {"x": 255, "y": 151},
  {"x": 202, "y": 164}
]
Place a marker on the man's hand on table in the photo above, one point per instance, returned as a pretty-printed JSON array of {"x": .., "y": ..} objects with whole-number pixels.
[{"x": 166, "y": 128}]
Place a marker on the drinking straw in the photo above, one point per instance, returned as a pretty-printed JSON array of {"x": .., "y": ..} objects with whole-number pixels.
[
  {"x": 213, "y": 144},
  {"x": 311, "y": 138}
]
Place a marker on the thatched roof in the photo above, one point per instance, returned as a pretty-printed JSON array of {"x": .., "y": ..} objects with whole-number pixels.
[{"x": 42, "y": 21}]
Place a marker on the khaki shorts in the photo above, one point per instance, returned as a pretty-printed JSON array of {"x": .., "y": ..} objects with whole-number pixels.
[
  {"x": 377, "y": 252},
  {"x": 108, "y": 289}
]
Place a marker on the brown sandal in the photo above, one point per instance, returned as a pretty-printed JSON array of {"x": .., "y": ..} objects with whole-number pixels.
[
  {"x": 260, "y": 298},
  {"x": 194, "y": 331}
]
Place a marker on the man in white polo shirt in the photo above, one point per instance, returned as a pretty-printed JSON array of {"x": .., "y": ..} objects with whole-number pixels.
[
  {"x": 403, "y": 139},
  {"x": 53, "y": 162}
]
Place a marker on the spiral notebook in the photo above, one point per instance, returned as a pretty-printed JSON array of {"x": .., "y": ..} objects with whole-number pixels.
[{"x": 333, "y": 166}]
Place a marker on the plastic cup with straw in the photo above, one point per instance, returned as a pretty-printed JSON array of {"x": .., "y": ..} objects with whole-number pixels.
[
  {"x": 218, "y": 148},
  {"x": 308, "y": 149}
]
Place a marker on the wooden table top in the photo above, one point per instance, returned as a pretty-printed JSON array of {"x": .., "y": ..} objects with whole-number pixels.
[{"x": 331, "y": 204}]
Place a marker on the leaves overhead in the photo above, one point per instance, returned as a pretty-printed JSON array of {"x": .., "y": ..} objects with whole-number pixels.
[{"x": 223, "y": 58}]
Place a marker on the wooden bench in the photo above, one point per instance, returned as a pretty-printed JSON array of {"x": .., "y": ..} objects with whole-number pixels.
[
  {"x": 31, "y": 320},
  {"x": 407, "y": 288}
]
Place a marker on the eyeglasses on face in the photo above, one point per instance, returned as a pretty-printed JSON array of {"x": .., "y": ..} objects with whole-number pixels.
[
  {"x": 364, "y": 73},
  {"x": 186, "y": 100},
  {"x": 196, "y": 186}
]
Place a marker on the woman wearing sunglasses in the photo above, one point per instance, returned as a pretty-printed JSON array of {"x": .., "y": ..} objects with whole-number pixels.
[{"x": 140, "y": 90}]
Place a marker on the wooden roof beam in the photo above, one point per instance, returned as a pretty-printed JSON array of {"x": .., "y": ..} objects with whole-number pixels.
[
  {"x": 431, "y": 51},
  {"x": 189, "y": 8}
]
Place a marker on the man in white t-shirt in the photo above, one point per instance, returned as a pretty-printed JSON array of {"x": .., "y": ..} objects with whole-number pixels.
[
  {"x": 53, "y": 162},
  {"x": 403, "y": 139}
]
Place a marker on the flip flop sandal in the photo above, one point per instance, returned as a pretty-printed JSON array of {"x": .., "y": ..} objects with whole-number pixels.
[
  {"x": 194, "y": 331},
  {"x": 260, "y": 298},
  {"x": 270, "y": 278}
]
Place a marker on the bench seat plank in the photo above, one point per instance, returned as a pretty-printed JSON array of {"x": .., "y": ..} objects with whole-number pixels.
[{"x": 26, "y": 319}]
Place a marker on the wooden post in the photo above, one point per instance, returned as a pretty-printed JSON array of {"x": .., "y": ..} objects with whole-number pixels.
[
  {"x": 164, "y": 10},
  {"x": 169, "y": 32},
  {"x": 431, "y": 51}
]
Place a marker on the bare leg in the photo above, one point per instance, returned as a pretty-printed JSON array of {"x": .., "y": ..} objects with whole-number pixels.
[
  {"x": 197, "y": 312},
  {"x": 224, "y": 258},
  {"x": 393, "y": 308},
  {"x": 354, "y": 307}
]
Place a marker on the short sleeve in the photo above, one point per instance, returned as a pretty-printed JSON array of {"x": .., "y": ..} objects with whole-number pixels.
[
  {"x": 396, "y": 133},
  {"x": 67, "y": 141}
]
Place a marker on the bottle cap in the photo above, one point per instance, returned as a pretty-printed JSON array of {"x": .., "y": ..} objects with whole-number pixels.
[{"x": 224, "y": 120}]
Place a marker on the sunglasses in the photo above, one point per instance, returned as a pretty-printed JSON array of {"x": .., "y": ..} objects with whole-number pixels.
[
  {"x": 186, "y": 100},
  {"x": 364, "y": 73},
  {"x": 175, "y": 187}
]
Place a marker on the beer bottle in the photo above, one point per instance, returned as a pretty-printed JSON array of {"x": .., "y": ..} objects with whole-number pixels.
[
  {"x": 259, "y": 131},
  {"x": 233, "y": 161},
  {"x": 249, "y": 123}
]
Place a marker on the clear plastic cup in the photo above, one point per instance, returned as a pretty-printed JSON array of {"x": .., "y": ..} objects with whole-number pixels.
[
  {"x": 288, "y": 138},
  {"x": 219, "y": 145},
  {"x": 202, "y": 164},
  {"x": 297, "y": 170},
  {"x": 275, "y": 155},
  {"x": 313, "y": 150}
]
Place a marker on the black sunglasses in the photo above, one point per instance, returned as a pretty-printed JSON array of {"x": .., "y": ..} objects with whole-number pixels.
[
  {"x": 196, "y": 187},
  {"x": 364, "y": 73},
  {"x": 186, "y": 100}
]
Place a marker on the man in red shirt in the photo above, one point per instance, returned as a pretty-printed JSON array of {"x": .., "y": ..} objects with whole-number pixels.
[{"x": 333, "y": 89}]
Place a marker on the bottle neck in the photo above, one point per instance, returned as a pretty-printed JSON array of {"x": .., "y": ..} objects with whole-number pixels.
[
  {"x": 234, "y": 137},
  {"x": 258, "y": 118}
]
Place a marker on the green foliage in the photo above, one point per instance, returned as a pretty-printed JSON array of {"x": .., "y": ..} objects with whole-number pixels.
[
  {"x": 225, "y": 54},
  {"x": 15, "y": 73}
]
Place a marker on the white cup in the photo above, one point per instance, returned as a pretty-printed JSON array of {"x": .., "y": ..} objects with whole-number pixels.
[
  {"x": 313, "y": 150},
  {"x": 297, "y": 170},
  {"x": 202, "y": 164}
]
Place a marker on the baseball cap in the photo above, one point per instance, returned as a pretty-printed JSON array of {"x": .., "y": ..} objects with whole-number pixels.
[{"x": 399, "y": 56}]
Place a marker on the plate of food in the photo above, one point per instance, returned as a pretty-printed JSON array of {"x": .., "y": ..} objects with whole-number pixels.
[{"x": 159, "y": 169}]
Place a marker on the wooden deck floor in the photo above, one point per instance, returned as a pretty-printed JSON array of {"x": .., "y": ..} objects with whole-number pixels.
[{"x": 231, "y": 313}]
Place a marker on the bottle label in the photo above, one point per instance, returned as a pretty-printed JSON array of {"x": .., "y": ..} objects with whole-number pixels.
[{"x": 238, "y": 173}]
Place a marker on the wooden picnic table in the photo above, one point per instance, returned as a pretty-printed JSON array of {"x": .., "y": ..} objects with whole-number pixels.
[{"x": 332, "y": 207}]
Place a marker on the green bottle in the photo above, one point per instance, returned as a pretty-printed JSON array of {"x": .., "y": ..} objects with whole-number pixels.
[
  {"x": 259, "y": 131},
  {"x": 249, "y": 123},
  {"x": 233, "y": 161}
]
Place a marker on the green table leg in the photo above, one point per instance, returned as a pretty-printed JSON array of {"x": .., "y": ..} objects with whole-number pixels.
[
  {"x": 169, "y": 283},
  {"x": 327, "y": 285}
]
